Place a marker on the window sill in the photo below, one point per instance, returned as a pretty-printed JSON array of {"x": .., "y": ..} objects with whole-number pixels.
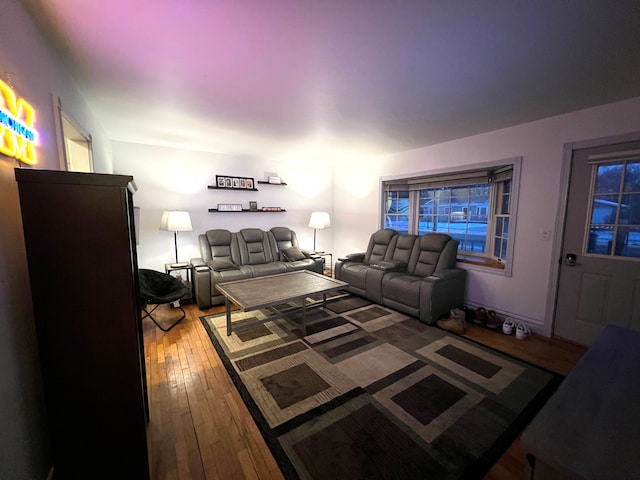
[{"x": 481, "y": 261}]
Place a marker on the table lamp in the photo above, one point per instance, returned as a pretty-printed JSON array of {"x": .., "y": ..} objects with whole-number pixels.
[
  {"x": 318, "y": 221},
  {"x": 176, "y": 221}
]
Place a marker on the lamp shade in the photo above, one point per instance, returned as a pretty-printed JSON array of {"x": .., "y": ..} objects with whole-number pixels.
[
  {"x": 176, "y": 221},
  {"x": 319, "y": 220}
]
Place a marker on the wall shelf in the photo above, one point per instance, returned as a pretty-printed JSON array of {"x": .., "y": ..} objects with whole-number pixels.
[
  {"x": 214, "y": 187},
  {"x": 262, "y": 182},
  {"x": 246, "y": 210}
]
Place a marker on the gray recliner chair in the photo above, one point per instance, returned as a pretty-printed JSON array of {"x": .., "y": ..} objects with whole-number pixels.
[
  {"x": 416, "y": 275},
  {"x": 356, "y": 268},
  {"x": 431, "y": 285}
]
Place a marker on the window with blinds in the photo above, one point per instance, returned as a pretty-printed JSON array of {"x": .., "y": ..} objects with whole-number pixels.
[{"x": 474, "y": 206}]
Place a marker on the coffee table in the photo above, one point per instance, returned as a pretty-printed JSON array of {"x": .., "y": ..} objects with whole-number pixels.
[{"x": 266, "y": 292}]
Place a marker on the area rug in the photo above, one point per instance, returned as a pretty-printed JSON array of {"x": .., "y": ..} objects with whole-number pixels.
[{"x": 372, "y": 393}]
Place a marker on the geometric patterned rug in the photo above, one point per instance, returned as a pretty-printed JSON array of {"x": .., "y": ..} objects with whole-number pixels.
[{"x": 372, "y": 393}]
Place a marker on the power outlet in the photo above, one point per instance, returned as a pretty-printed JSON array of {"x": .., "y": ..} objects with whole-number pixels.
[{"x": 545, "y": 235}]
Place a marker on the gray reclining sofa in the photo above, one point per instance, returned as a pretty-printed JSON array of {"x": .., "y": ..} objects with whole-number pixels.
[
  {"x": 250, "y": 252},
  {"x": 416, "y": 275}
]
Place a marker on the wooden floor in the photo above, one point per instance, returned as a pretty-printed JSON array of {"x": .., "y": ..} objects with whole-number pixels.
[{"x": 199, "y": 427}]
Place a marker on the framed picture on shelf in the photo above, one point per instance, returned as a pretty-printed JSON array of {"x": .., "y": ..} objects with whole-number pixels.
[
  {"x": 235, "y": 183},
  {"x": 275, "y": 180},
  {"x": 253, "y": 206},
  {"x": 229, "y": 207}
]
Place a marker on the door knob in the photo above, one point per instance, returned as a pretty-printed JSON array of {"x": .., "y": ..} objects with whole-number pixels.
[{"x": 570, "y": 259}]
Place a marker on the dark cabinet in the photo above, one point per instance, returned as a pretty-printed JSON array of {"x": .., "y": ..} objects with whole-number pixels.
[{"x": 81, "y": 252}]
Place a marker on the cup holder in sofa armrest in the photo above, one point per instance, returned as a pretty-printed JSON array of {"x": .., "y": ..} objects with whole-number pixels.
[{"x": 390, "y": 266}]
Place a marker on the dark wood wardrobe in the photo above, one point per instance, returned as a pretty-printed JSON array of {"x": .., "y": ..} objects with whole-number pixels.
[{"x": 80, "y": 242}]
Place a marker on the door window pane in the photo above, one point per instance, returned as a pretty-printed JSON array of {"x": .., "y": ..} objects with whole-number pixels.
[
  {"x": 628, "y": 242},
  {"x": 604, "y": 209},
  {"x": 614, "y": 229},
  {"x": 600, "y": 240}
]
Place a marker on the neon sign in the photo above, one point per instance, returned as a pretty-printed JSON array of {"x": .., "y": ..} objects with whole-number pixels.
[{"x": 18, "y": 138}]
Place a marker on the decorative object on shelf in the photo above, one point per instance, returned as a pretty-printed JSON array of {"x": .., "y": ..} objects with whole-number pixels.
[
  {"x": 229, "y": 207},
  {"x": 176, "y": 221},
  {"x": 318, "y": 221},
  {"x": 234, "y": 183},
  {"x": 271, "y": 209},
  {"x": 275, "y": 180},
  {"x": 253, "y": 206}
]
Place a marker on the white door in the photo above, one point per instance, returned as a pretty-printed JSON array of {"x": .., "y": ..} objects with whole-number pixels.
[{"x": 599, "y": 280}]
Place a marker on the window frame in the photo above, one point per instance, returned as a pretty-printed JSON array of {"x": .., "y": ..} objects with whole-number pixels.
[{"x": 472, "y": 260}]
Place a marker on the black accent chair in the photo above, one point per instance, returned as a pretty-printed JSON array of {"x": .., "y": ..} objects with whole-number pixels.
[{"x": 157, "y": 288}]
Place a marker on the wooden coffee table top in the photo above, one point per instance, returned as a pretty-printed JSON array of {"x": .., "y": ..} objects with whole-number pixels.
[{"x": 255, "y": 293}]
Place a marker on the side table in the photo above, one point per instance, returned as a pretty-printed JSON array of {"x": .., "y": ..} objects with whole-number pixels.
[
  {"x": 171, "y": 267},
  {"x": 324, "y": 255}
]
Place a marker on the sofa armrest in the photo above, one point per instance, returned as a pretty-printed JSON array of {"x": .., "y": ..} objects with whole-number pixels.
[
  {"x": 390, "y": 266},
  {"x": 442, "y": 292},
  {"x": 353, "y": 257},
  {"x": 201, "y": 278},
  {"x": 446, "y": 274},
  {"x": 197, "y": 262}
]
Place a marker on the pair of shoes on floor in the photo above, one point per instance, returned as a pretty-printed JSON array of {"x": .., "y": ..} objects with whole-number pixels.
[
  {"x": 456, "y": 322},
  {"x": 509, "y": 326},
  {"x": 488, "y": 319}
]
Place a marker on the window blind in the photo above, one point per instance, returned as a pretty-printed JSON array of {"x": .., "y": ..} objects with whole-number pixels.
[{"x": 451, "y": 179}]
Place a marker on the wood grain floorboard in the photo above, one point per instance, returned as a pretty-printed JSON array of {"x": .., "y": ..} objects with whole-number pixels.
[{"x": 200, "y": 429}]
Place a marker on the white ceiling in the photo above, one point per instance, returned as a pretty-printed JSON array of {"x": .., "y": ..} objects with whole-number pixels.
[{"x": 330, "y": 79}]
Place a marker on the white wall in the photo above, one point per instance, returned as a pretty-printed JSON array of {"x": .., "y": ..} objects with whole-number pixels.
[
  {"x": 176, "y": 179},
  {"x": 38, "y": 76},
  {"x": 526, "y": 294}
]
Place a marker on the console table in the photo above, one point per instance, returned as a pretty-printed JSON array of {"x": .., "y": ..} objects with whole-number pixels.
[{"x": 590, "y": 428}]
